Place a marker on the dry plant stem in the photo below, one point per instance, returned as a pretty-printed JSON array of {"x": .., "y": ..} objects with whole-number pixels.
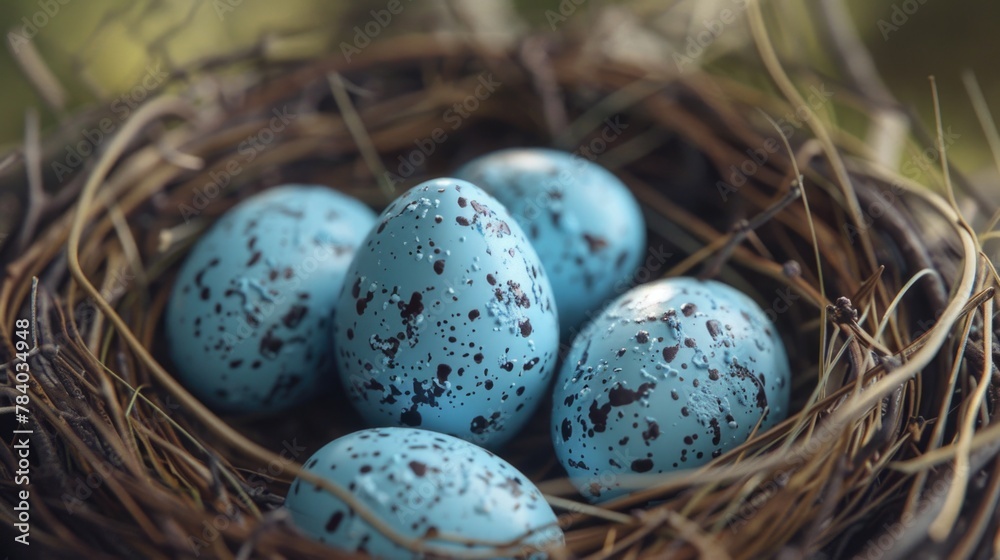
[
  {"x": 987, "y": 510},
  {"x": 797, "y": 182},
  {"x": 960, "y": 295},
  {"x": 537, "y": 61},
  {"x": 623, "y": 97},
  {"x": 942, "y": 149},
  {"x": 946, "y": 519},
  {"x": 713, "y": 241},
  {"x": 773, "y": 65},
  {"x": 938, "y": 433},
  {"x": 589, "y": 510},
  {"x": 742, "y": 229},
  {"x": 688, "y": 531},
  {"x": 887, "y": 133},
  {"x": 922, "y": 518},
  {"x": 9, "y": 160},
  {"x": 32, "y": 261},
  {"x": 39, "y": 75},
  {"x": 37, "y": 199},
  {"x": 127, "y": 500},
  {"x": 864, "y": 296},
  {"x": 357, "y": 128},
  {"x": 985, "y": 117}
]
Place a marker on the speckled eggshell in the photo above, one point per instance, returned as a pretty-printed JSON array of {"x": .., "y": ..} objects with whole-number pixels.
[
  {"x": 446, "y": 320},
  {"x": 419, "y": 483},
  {"x": 670, "y": 375},
  {"x": 583, "y": 221},
  {"x": 249, "y": 320}
]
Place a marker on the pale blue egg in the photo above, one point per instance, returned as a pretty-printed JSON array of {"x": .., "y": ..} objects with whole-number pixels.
[
  {"x": 446, "y": 320},
  {"x": 583, "y": 221},
  {"x": 250, "y": 317},
  {"x": 422, "y": 484},
  {"x": 669, "y": 376}
]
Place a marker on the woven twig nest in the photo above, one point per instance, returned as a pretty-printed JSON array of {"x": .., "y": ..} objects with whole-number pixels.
[{"x": 875, "y": 282}]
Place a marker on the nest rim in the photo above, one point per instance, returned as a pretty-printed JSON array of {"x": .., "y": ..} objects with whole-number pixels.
[{"x": 137, "y": 174}]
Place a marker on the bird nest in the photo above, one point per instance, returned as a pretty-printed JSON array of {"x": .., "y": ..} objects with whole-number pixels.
[{"x": 875, "y": 281}]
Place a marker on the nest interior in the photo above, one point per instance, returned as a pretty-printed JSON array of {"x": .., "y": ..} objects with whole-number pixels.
[{"x": 876, "y": 284}]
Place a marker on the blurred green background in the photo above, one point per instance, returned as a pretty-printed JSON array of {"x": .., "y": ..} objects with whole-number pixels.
[{"x": 102, "y": 48}]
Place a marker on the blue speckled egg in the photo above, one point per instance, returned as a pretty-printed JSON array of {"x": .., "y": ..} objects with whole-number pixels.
[
  {"x": 249, "y": 321},
  {"x": 583, "y": 221},
  {"x": 424, "y": 485},
  {"x": 670, "y": 375},
  {"x": 446, "y": 320}
]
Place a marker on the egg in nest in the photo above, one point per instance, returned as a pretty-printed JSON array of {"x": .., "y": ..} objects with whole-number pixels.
[
  {"x": 423, "y": 485},
  {"x": 669, "y": 376},
  {"x": 250, "y": 315},
  {"x": 447, "y": 320},
  {"x": 583, "y": 221}
]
